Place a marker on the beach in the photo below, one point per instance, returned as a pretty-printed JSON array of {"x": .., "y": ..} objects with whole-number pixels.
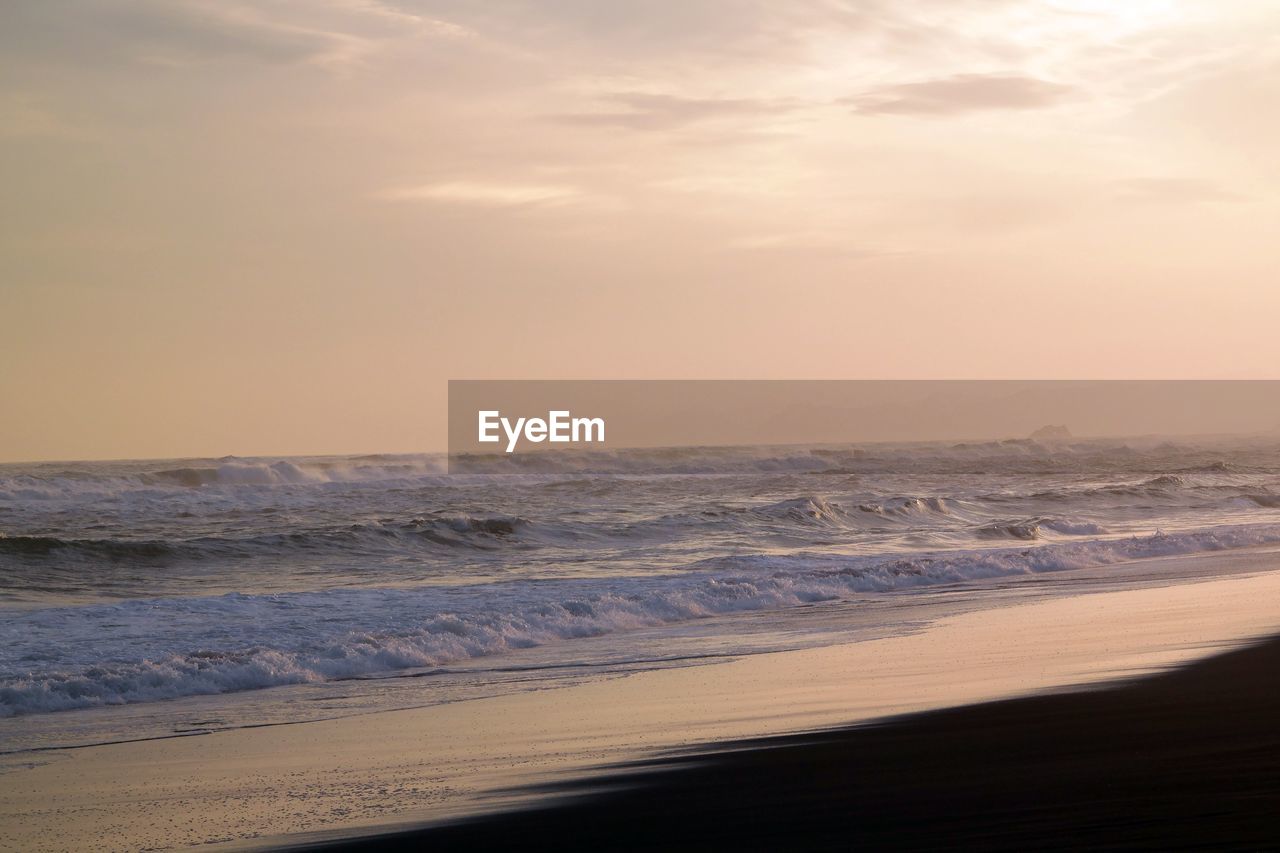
[
  {"x": 374, "y": 773},
  {"x": 675, "y": 425},
  {"x": 1181, "y": 760}
]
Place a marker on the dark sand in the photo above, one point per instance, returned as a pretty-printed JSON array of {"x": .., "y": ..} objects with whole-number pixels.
[{"x": 1182, "y": 760}]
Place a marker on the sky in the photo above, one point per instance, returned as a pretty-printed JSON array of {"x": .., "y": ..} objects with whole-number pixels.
[{"x": 277, "y": 226}]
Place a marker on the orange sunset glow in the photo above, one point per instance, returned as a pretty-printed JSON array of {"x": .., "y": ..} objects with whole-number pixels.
[{"x": 287, "y": 223}]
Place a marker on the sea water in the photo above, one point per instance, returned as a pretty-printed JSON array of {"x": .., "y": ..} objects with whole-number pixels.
[{"x": 153, "y": 598}]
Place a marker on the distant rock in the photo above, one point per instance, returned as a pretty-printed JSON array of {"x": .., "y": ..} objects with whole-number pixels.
[{"x": 1052, "y": 433}]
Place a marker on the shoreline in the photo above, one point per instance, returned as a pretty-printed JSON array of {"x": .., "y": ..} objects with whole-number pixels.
[
  {"x": 1185, "y": 759},
  {"x": 359, "y": 776}
]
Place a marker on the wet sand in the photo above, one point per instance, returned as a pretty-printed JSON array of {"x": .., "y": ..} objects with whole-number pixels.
[
  {"x": 368, "y": 775},
  {"x": 1183, "y": 760}
]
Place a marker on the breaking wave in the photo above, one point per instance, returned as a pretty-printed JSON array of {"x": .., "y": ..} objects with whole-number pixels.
[
  {"x": 348, "y": 633},
  {"x": 907, "y": 506},
  {"x": 1032, "y": 528}
]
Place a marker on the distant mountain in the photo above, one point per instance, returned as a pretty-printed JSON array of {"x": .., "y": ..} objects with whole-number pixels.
[{"x": 1052, "y": 433}]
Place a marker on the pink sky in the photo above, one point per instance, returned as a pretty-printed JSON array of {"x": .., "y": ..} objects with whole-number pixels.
[{"x": 280, "y": 226}]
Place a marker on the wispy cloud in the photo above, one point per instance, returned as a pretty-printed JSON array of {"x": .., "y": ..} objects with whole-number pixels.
[
  {"x": 960, "y": 93},
  {"x": 483, "y": 193},
  {"x": 646, "y": 111},
  {"x": 812, "y": 242},
  {"x": 188, "y": 32},
  {"x": 399, "y": 17}
]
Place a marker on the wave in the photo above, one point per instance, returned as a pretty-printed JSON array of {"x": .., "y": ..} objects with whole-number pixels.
[
  {"x": 1168, "y": 486},
  {"x": 782, "y": 459},
  {"x": 485, "y": 532},
  {"x": 907, "y": 506},
  {"x": 260, "y": 525},
  {"x": 460, "y": 531},
  {"x": 287, "y": 472},
  {"x": 1032, "y": 528},
  {"x": 1010, "y": 530},
  {"x": 68, "y": 479},
  {"x": 99, "y": 480},
  {"x": 1219, "y": 467},
  {"x": 815, "y": 511},
  {"x": 467, "y": 530},
  {"x": 1073, "y": 528},
  {"x": 378, "y": 631},
  {"x": 111, "y": 549},
  {"x": 804, "y": 510},
  {"x": 1132, "y": 459}
]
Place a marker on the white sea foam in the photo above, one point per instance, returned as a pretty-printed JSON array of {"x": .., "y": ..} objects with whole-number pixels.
[
  {"x": 339, "y": 567},
  {"x": 138, "y": 651}
]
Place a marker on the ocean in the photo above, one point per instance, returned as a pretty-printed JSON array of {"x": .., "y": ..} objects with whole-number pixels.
[{"x": 147, "y": 599}]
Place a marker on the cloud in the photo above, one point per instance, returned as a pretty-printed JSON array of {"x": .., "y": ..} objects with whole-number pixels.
[
  {"x": 483, "y": 193},
  {"x": 1173, "y": 191},
  {"x": 173, "y": 32},
  {"x": 393, "y": 14},
  {"x": 646, "y": 111},
  {"x": 809, "y": 243},
  {"x": 644, "y": 31},
  {"x": 960, "y": 93}
]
